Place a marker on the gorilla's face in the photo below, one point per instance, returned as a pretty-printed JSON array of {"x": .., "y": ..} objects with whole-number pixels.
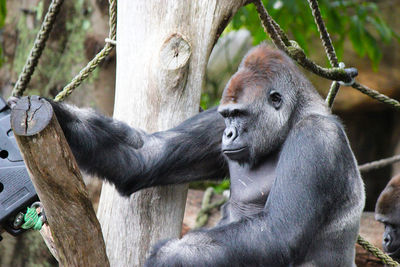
[
  {"x": 252, "y": 131},
  {"x": 391, "y": 240},
  {"x": 257, "y": 104},
  {"x": 387, "y": 211},
  {"x": 391, "y": 235},
  {"x": 257, "y": 127}
]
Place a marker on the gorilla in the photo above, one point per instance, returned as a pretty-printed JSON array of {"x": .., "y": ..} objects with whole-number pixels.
[
  {"x": 296, "y": 193},
  {"x": 387, "y": 211}
]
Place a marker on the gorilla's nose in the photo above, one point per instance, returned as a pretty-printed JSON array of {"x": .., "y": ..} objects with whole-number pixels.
[
  {"x": 230, "y": 134},
  {"x": 387, "y": 240}
]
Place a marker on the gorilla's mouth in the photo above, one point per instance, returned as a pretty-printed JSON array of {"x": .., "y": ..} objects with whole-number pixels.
[
  {"x": 236, "y": 153},
  {"x": 394, "y": 254},
  {"x": 233, "y": 151}
]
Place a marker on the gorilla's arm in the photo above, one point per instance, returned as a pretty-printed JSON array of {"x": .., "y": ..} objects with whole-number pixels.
[
  {"x": 132, "y": 159},
  {"x": 313, "y": 190}
]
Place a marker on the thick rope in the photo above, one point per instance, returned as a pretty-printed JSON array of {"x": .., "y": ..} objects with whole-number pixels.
[
  {"x": 268, "y": 25},
  {"x": 376, "y": 95},
  {"x": 329, "y": 49},
  {"x": 326, "y": 39},
  {"x": 282, "y": 34},
  {"x": 378, "y": 164},
  {"x": 92, "y": 65},
  {"x": 335, "y": 86},
  {"x": 37, "y": 49},
  {"x": 386, "y": 259}
]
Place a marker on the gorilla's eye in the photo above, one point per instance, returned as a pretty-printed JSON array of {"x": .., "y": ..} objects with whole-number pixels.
[{"x": 276, "y": 99}]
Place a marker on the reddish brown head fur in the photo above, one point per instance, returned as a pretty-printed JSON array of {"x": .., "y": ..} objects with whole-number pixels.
[
  {"x": 390, "y": 197},
  {"x": 258, "y": 66}
]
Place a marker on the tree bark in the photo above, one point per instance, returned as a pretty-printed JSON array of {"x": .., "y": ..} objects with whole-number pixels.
[
  {"x": 162, "y": 53},
  {"x": 58, "y": 182}
]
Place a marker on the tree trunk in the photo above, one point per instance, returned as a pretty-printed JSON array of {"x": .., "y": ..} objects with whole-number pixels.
[{"x": 162, "y": 53}]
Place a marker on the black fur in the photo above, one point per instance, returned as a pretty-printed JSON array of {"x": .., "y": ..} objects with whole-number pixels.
[
  {"x": 132, "y": 159},
  {"x": 296, "y": 193}
]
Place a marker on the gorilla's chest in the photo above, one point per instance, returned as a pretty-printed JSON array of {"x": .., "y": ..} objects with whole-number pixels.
[{"x": 250, "y": 187}]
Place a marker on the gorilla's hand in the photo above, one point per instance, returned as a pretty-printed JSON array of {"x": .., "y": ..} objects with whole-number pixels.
[{"x": 196, "y": 249}]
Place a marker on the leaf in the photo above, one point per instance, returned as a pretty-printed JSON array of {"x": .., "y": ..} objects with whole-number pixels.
[
  {"x": 373, "y": 50},
  {"x": 356, "y": 35},
  {"x": 3, "y": 12},
  {"x": 384, "y": 31}
]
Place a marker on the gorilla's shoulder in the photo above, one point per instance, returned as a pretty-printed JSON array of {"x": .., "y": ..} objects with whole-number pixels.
[
  {"x": 325, "y": 129},
  {"x": 322, "y": 122}
]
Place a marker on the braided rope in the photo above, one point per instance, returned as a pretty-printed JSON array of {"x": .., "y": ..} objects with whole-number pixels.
[
  {"x": 326, "y": 39},
  {"x": 332, "y": 93},
  {"x": 282, "y": 34},
  {"x": 92, "y": 65},
  {"x": 329, "y": 49},
  {"x": 376, "y": 95},
  {"x": 268, "y": 25},
  {"x": 37, "y": 49},
  {"x": 386, "y": 259},
  {"x": 378, "y": 164}
]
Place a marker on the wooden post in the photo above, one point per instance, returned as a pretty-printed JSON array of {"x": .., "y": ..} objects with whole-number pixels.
[
  {"x": 162, "y": 53},
  {"x": 55, "y": 174}
]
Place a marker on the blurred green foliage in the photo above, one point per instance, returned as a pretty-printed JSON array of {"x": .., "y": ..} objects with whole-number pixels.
[
  {"x": 3, "y": 13},
  {"x": 218, "y": 187},
  {"x": 360, "y": 21}
]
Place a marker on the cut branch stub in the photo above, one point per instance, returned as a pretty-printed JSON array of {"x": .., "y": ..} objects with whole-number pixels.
[
  {"x": 174, "y": 61},
  {"x": 175, "y": 52},
  {"x": 31, "y": 115}
]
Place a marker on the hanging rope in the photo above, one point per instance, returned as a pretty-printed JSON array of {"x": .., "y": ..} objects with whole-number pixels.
[
  {"x": 378, "y": 164},
  {"x": 335, "y": 86},
  {"x": 386, "y": 259},
  {"x": 326, "y": 39},
  {"x": 269, "y": 26},
  {"x": 376, "y": 95},
  {"x": 329, "y": 49},
  {"x": 37, "y": 49},
  {"x": 91, "y": 66}
]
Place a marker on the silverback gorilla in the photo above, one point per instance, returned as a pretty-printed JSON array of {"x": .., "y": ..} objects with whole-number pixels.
[
  {"x": 387, "y": 211},
  {"x": 296, "y": 193}
]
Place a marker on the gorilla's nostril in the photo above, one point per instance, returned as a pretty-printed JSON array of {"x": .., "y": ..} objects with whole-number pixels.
[
  {"x": 387, "y": 240},
  {"x": 229, "y": 135}
]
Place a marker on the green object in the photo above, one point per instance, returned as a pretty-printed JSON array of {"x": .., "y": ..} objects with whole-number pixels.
[
  {"x": 386, "y": 259},
  {"x": 32, "y": 220}
]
